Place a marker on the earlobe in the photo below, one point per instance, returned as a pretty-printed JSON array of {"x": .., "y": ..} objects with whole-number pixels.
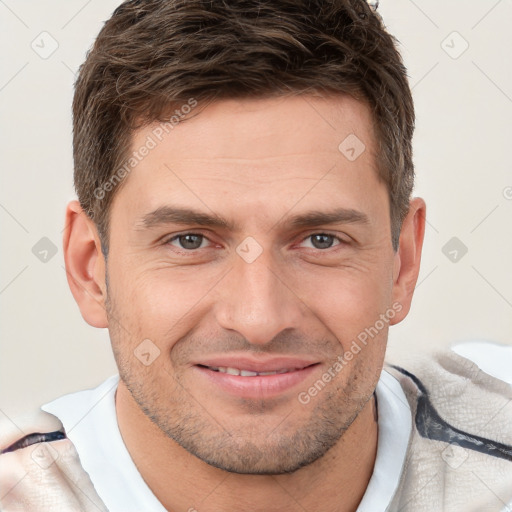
[
  {"x": 85, "y": 265},
  {"x": 408, "y": 257}
]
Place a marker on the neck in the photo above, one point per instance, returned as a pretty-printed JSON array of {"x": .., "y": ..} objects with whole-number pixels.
[{"x": 334, "y": 483}]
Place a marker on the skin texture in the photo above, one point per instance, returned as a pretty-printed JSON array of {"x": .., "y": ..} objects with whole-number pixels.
[{"x": 257, "y": 164}]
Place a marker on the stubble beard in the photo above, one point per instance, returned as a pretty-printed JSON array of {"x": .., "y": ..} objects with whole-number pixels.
[{"x": 305, "y": 433}]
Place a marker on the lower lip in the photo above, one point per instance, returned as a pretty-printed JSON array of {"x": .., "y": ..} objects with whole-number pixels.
[{"x": 261, "y": 386}]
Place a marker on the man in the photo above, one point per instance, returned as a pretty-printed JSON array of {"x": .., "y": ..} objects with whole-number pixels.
[{"x": 245, "y": 230}]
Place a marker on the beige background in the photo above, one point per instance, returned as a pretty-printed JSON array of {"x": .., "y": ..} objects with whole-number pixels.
[{"x": 462, "y": 154}]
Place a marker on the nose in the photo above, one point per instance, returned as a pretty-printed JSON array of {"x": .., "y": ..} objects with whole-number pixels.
[{"x": 257, "y": 302}]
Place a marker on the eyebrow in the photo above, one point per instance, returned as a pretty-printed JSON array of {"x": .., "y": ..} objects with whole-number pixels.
[
  {"x": 337, "y": 216},
  {"x": 176, "y": 215}
]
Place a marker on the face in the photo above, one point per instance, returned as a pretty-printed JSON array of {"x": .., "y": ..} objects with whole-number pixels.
[{"x": 251, "y": 253}]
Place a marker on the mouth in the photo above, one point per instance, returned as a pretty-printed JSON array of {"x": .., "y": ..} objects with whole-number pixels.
[
  {"x": 249, "y": 373},
  {"x": 256, "y": 379}
]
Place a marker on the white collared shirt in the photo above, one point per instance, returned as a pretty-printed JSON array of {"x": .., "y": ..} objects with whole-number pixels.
[{"x": 89, "y": 418}]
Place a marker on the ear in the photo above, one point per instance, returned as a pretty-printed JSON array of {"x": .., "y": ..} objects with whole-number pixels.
[
  {"x": 85, "y": 265},
  {"x": 408, "y": 257}
]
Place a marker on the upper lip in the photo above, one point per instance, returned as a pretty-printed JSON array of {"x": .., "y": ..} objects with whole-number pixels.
[{"x": 268, "y": 364}]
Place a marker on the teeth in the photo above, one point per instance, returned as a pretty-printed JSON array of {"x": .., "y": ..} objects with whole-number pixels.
[{"x": 247, "y": 373}]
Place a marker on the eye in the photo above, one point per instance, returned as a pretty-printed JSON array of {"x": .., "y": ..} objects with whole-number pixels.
[
  {"x": 189, "y": 241},
  {"x": 321, "y": 241}
]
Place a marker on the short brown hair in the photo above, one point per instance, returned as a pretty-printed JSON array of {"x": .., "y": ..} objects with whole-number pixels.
[{"x": 154, "y": 55}]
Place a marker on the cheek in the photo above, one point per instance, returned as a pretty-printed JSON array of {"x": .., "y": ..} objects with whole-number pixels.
[
  {"x": 163, "y": 303},
  {"x": 346, "y": 301}
]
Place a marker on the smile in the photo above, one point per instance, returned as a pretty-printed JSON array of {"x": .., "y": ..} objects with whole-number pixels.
[
  {"x": 271, "y": 381},
  {"x": 249, "y": 373}
]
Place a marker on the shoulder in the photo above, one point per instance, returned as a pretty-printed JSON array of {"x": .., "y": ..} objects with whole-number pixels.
[
  {"x": 52, "y": 421},
  {"x": 458, "y": 388},
  {"x": 36, "y": 452},
  {"x": 40, "y": 467},
  {"x": 460, "y": 451}
]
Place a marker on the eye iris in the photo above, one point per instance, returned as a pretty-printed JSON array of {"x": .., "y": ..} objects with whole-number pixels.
[
  {"x": 191, "y": 241},
  {"x": 322, "y": 241}
]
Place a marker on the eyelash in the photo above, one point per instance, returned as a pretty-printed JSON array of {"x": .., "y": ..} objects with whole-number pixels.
[
  {"x": 176, "y": 237},
  {"x": 337, "y": 238}
]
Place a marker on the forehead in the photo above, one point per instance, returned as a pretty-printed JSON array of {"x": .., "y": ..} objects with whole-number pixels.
[
  {"x": 251, "y": 151},
  {"x": 267, "y": 127}
]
